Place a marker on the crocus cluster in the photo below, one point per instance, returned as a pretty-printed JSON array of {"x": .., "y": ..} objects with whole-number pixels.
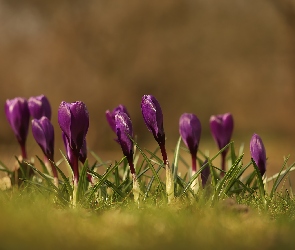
[{"x": 73, "y": 119}]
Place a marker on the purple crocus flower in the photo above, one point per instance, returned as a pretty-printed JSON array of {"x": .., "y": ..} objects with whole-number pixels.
[
  {"x": 39, "y": 106},
  {"x": 18, "y": 116},
  {"x": 222, "y": 128},
  {"x": 190, "y": 131},
  {"x": 73, "y": 119},
  {"x": 124, "y": 132},
  {"x": 258, "y": 153},
  {"x": 153, "y": 118},
  {"x": 43, "y": 133},
  {"x": 110, "y": 115}
]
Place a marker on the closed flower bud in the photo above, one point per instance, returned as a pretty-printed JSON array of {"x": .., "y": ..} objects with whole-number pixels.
[
  {"x": 110, "y": 115},
  {"x": 39, "y": 106},
  {"x": 43, "y": 133},
  {"x": 258, "y": 153},
  {"x": 153, "y": 117},
  {"x": 190, "y": 131},
  {"x": 222, "y": 128},
  {"x": 18, "y": 116},
  {"x": 125, "y": 133},
  {"x": 73, "y": 119}
]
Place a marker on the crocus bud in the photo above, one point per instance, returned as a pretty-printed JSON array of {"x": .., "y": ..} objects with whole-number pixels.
[
  {"x": 222, "y": 128},
  {"x": 125, "y": 133},
  {"x": 258, "y": 153},
  {"x": 73, "y": 119},
  {"x": 43, "y": 133},
  {"x": 39, "y": 106},
  {"x": 18, "y": 116},
  {"x": 153, "y": 117},
  {"x": 190, "y": 131},
  {"x": 110, "y": 115}
]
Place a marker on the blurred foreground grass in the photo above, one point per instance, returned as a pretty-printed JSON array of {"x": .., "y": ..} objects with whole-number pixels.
[{"x": 31, "y": 221}]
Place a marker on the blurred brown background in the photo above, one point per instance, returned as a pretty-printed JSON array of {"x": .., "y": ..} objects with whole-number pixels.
[{"x": 206, "y": 57}]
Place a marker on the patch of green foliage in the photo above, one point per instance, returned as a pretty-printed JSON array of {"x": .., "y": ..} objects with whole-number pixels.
[{"x": 236, "y": 211}]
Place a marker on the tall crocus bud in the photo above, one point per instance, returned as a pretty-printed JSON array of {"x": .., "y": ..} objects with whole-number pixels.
[
  {"x": 110, "y": 116},
  {"x": 43, "y": 133},
  {"x": 258, "y": 153},
  {"x": 190, "y": 131},
  {"x": 222, "y": 128},
  {"x": 18, "y": 116},
  {"x": 124, "y": 132},
  {"x": 73, "y": 119},
  {"x": 39, "y": 106},
  {"x": 153, "y": 118}
]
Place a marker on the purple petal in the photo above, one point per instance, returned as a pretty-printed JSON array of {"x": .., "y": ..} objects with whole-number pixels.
[
  {"x": 43, "y": 133},
  {"x": 153, "y": 117},
  {"x": 18, "y": 116},
  {"x": 258, "y": 153},
  {"x": 190, "y": 131},
  {"x": 124, "y": 132},
  {"x": 39, "y": 106},
  {"x": 222, "y": 128}
]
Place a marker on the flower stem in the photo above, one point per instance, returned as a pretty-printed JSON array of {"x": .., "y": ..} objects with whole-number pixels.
[
  {"x": 75, "y": 167},
  {"x": 24, "y": 151},
  {"x": 223, "y": 156},
  {"x": 164, "y": 154},
  {"x": 55, "y": 175}
]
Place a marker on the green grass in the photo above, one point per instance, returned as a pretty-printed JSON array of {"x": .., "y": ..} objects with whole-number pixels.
[{"x": 236, "y": 211}]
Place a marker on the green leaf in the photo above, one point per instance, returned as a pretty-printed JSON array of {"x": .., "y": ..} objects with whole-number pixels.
[
  {"x": 65, "y": 179},
  {"x": 282, "y": 174},
  {"x": 260, "y": 183},
  {"x": 43, "y": 165},
  {"x": 151, "y": 167},
  {"x": 83, "y": 182},
  {"x": 5, "y": 168},
  {"x": 102, "y": 180},
  {"x": 224, "y": 185},
  {"x": 176, "y": 159},
  {"x": 108, "y": 183}
]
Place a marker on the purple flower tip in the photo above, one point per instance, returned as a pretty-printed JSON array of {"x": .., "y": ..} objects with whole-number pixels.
[
  {"x": 39, "y": 106},
  {"x": 43, "y": 133},
  {"x": 124, "y": 132},
  {"x": 258, "y": 153},
  {"x": 73, "y": 119},
  {"x": 110, "y": 115},
  {"x": 153, "y": 117},
  {"x": 18, "y": 116},
  {"x": 222, "y": 128},
  {"x": 190, "y": 131}
]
